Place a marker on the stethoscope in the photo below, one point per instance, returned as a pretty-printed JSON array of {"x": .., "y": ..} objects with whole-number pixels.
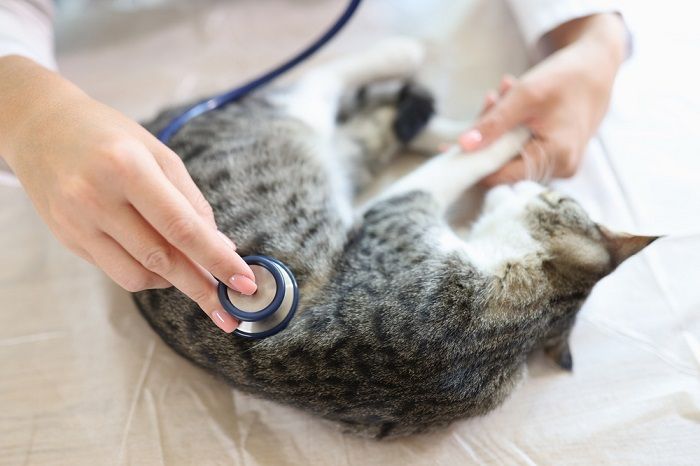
[{"x": 273, "y": 305}]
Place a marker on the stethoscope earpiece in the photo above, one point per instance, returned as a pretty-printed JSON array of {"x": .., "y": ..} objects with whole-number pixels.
[{"x": 273, "y": 305}]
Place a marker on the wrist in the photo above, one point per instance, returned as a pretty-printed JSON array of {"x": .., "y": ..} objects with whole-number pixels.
[
  {"x": 604, "y": 33},
  {"x": 28, "y": 94}
]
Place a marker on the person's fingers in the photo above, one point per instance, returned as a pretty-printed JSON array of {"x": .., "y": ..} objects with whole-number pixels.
[
  {"x": 68, "y": 232},
  {"x": 532, "y": 164},
  {"x": 175, "y": 170},
  {"x": 172, "y": 216},
  {"x": 77, "y": 250},
  {"x": 492, "y": 96},
  {"x": 489, "y": 101},
  {"x": 507, "y": 83},
  {"x": 508, "y": 112},
  {"x": 121, "y": 267},
  {"x": 152, "y": 253}
]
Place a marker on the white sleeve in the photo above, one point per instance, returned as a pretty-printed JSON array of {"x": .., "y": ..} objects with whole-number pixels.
[
  {"x": 26, "y": 28},
  {"x": 538, "y": 17}
]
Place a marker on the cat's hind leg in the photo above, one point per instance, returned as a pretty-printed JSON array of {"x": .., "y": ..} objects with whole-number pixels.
[
  {"x": 317, "y": 97},
  {"x": 376, "y": 122}
]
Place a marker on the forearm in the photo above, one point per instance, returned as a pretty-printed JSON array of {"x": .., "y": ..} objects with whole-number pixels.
[
  {"x": 594, "y": 47},
  {"x": 26, "y": 30},
  {"x": 605, "y": 32}
]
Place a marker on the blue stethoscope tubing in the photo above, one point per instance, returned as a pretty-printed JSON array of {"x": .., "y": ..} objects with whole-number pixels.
[
  {"x": 218, "y": 101},
  {"x": 237, "y": 93}
]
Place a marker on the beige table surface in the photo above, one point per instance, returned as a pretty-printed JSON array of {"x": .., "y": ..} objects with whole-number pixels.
[{"x": 84, "y": 381}]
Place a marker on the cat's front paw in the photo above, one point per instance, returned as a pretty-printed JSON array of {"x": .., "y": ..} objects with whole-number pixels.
[
  {"x": 514, "y": 140},
  {"x": 403, "y": 56}
]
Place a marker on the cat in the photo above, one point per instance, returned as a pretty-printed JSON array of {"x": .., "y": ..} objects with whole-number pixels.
[{"x": 402, "y": 325}]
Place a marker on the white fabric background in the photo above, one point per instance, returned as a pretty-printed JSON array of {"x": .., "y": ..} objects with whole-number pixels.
[{"x": 83, "y": 380}]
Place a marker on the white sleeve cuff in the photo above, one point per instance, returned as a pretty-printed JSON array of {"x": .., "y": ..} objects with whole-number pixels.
[
  {"x": 538, "y": 17},
  {"x": 26, "y": 28}
]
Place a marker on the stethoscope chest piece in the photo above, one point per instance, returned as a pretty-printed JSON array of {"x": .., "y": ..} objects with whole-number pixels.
[{"x": 273, "y": 305}]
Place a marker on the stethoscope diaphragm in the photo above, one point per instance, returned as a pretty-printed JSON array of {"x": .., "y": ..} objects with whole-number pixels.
[{"x": 273, "y": 305}]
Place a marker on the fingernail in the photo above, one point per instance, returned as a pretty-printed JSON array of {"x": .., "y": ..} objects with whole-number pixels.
[
  {"x": 471, "y": 139},
  {"x": 228, "y": 240},
  {"x": 224, "y": 321},
  {"x": 243, "y": 268},
  {"x": 243, "y": 284}
]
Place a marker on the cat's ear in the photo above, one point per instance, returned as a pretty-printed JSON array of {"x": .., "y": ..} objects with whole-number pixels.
[{"x": 622, "y": 246}]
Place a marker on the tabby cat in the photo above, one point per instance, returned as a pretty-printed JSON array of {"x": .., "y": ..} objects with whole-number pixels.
[{"x": 402, "y": 325}]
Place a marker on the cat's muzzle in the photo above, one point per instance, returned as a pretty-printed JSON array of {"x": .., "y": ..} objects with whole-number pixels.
[{"x": 271, "y": 307}]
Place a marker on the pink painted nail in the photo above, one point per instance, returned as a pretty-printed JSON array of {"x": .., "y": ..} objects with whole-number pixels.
[
  {"x": 243, "y": 284},
  {"x": 224, "y": 321},
  {"x": 227, "y": 240},
  {"x": 243, "y": 268},
  {"x": 471, "y": 139}
]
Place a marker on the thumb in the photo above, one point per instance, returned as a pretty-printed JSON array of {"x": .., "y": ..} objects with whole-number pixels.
[{"x": 507, "y": 113}]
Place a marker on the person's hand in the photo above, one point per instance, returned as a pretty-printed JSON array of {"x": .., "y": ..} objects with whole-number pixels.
[
  {"x": 561, "y": 100},
  {"x": 111, "y": 192}
]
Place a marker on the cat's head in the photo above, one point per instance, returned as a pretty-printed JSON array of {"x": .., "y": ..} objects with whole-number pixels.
[
  {"x": 556, "y": 241},
  {"x": 543, "y": 226}
]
